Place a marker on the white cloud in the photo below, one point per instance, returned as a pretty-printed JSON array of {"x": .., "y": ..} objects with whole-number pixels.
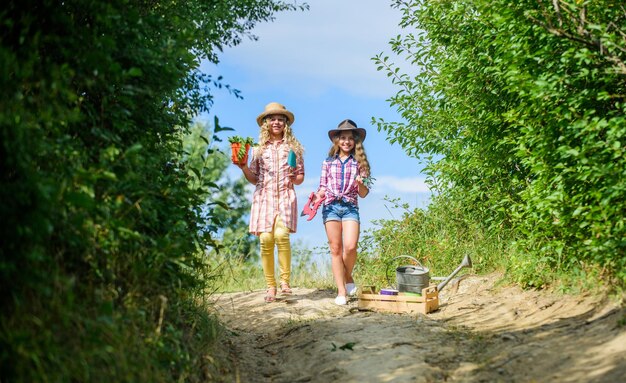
[{"x": 329, "y": 46}]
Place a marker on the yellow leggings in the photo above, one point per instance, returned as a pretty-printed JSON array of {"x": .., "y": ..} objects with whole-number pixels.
[{"x": 279, "y": 237}]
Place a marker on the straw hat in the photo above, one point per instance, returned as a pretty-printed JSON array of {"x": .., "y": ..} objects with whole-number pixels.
[
  {"x": 275, "y": 108},
  {"x": 344, "y": 126}
]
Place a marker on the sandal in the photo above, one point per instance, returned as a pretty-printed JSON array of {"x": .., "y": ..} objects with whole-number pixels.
[
  {"x": 285, "y": 289},
  {"x": 270, "y": 295}
]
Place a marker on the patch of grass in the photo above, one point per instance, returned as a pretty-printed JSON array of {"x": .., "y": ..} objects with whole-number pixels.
[{"x": 236, "y": 274}]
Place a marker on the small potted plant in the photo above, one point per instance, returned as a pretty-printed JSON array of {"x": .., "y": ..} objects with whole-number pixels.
[{"x": 239, "y": 147}]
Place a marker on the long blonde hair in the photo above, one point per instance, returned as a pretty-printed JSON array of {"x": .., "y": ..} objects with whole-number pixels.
[
  {"x": 358, "y": 152},
  {"x": 288, "y": 136}
]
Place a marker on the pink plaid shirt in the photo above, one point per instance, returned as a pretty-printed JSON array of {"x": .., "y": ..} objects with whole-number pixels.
[
  {"x": 338, "y": 179},
  {"x": 274, "y": 194}
]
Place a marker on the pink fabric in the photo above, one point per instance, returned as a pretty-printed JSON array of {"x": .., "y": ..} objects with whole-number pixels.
[
  {"x": 338, "y": 179},
  {"x": 274, "y": 194}
]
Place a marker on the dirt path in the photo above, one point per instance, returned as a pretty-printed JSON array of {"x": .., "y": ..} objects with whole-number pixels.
[{"x": 481, "y": 333}]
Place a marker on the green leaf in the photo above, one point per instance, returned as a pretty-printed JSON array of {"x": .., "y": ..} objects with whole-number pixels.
[{"x": 135, "y": 72}]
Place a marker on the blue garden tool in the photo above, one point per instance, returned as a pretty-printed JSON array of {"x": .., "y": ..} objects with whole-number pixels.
[{"x": 291, "y": 160}]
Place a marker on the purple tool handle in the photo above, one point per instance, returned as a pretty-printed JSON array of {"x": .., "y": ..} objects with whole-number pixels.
[{"x": 388, "y": 292}]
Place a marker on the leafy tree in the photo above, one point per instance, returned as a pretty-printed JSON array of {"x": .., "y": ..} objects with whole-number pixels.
[
  {"x": 517, "y": 108},
  {"x": 229, "y": 203},
  {"x": 100, "y": 268}
]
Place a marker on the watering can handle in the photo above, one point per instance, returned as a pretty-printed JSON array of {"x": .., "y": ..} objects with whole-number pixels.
[
  {"x": 399, "y": 256},
  {"x": 409, "y": 257}
]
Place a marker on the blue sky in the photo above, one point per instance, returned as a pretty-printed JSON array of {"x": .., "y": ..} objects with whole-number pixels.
[{"x": 318, "y": 63}]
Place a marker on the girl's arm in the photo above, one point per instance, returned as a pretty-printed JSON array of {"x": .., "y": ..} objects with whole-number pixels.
[
  {"x": 296, "y": 175},
  {"x": 251, "y": 177},
  {"x": 363, "y": 190},
  {"x": 250, "y": 174},
  {"x": 321, "y": 191}
]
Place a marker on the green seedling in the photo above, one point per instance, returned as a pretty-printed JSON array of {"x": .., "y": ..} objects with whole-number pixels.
[{"x": 243, "y": 141}]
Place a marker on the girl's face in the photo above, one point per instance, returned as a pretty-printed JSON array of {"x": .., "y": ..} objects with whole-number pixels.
[
  {"x": 277, "y": 123},
  {"x": 346, "y": 143}
]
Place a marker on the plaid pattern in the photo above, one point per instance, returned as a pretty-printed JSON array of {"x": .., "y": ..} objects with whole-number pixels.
[
  {"x": 274, "y": 194},
  {"x": 338, "y": 180}
]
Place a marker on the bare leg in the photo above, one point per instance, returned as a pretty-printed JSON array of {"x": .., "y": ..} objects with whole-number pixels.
[
  {"x": 334, "y": 233},
  {"x": 350, "y": 239}
]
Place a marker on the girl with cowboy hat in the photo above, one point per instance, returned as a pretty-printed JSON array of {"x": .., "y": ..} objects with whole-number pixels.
[
  {"x": 345, "y": 177},
  {"x": 273, "y": 214}
]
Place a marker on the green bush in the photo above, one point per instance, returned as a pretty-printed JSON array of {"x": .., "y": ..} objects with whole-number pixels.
[
  {"x": 517, "y": 109},
  {"x": 102, "y": 268}
]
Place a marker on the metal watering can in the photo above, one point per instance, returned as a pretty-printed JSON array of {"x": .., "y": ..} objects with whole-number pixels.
[
  {"x": 410, "y": 278},
  {"x": 415, "y": 278}
]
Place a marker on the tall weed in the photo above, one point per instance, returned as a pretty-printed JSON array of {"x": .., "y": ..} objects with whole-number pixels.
[{"x": 438, "y": 238}]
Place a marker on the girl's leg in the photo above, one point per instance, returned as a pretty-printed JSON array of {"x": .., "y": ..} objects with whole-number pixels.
[
  {"x": 351, "y": 231},
  {"x": 283, "y": 243},
  {"x": 333, "y": 232},
  {"x": 267, "y": 258}
]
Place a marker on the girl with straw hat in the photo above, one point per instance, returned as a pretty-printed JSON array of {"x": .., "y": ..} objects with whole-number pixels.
[{"x": 276, "y": 166}]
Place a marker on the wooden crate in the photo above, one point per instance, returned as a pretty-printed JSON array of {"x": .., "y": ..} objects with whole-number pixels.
[{"x": 428, "y": 302}]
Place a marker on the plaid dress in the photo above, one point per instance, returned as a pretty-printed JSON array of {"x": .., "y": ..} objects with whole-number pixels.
[
  {"x": 338, "y": 179},
  {"x": 274, "y": 194}
]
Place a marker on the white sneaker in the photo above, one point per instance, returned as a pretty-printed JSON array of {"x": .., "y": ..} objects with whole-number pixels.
[
  {"x": 351, "y": 289},
  {"x": 341, "y": 300}
]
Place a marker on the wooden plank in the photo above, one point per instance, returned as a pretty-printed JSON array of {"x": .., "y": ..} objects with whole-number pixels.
[
  {"x": 428, "y": 302},
  {"x": 393, "y": 307},
  {"x": 392, "y": 298},
  {"x": 431, "y": 296}
]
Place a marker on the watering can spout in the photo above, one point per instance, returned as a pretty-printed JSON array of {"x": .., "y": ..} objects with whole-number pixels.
[{"x": 467, "y": 262}]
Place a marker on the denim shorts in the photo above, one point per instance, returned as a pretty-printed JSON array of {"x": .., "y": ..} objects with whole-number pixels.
[{"x": 340, "y": 211}]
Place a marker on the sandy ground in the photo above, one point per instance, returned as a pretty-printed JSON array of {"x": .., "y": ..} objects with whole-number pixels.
[{"x": 481, "y": 333}]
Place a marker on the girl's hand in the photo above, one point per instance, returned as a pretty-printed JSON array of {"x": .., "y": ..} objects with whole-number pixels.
[
  {"x": 363, "y": 186},
  {"x": 294, "y": 178},
  {"x": 317, "y": 196},
  {"x": 365, "y": 181}
]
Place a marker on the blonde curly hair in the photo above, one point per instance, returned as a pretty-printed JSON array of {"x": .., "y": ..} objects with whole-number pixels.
[
  {"x": 358, "y": 152},
  {"x": 288, "y": 136}
]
